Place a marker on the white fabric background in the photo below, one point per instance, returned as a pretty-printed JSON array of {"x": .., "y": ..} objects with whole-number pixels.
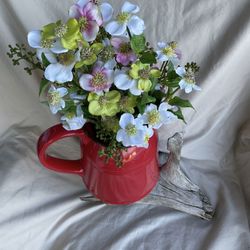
[{"x": 40, "y": 209}]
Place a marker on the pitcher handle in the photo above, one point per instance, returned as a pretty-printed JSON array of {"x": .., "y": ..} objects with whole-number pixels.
[{"x": 52, "y": 135}]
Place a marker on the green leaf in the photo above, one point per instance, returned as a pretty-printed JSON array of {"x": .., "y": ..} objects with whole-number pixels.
[
  {"x": 138, "y": 43},
  {"x": 173, "y": 83},
  {"x": 43, "y": 85},
  {"x": 45, "y": 61},
  {"x": 154, "y": 83},
  {"x": 179, "y": 115},
  {"x": 141, "y": 107},
  {"x": 148, "y": 57},
  {"x": 177, "y": 101},
  {"x": 170, "y": 66},
  {"x": 147, "y": 99},
  {"x": 172, "y": 75},
  {"x": 159, "y": 95},
  {"x": 143, "y": 101}
]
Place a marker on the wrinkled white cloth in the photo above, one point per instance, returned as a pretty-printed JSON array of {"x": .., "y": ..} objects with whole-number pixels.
[{"x": 40, "y": 209}]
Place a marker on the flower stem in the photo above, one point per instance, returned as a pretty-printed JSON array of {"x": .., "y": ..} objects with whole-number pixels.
[{"x": 129, "y": 33}]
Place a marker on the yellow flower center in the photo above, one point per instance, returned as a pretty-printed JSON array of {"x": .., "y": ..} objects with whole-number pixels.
[
  {"x": 98, "y": 80},
  {"x": 47, "y": 43},
  {"x": 153, "y": 117},
  {"x": 54, "y": 98},
  {"x": 144, "y": 73},
  {"x": 102, "y": 101},
  {"x": 107, "y": 53},
  {"x": 83, "y": 22},
  {"x": 66, "y": 58},
  {"x": 86, "y": 53},
  {"x": 170, "y": 50},
  {"x": 189, "y": 77},
  {"x": 131, "y": 129},
  {"x": 122, "y": 17},
  {"x": 61, "y": 30},
  {"x": 125, "y": 48}
]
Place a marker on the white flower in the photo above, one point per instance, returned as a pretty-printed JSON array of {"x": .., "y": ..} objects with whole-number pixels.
[
  {"x": 131, "y": 132},
  {"x": 124, "y": 82},
  {"x": 73, "y": 121},
  {"x": 60, "y": 70},
  {"x": 148, "y": 133},
  {"x": 155, "y": 117},
  {"x": 126, "y": 19},
  {"x": 55, "y": 98},
  {"x": 169, "y": 52},
  {"x": 35, "y": 41},
  {"x": 188, "y": 80}
]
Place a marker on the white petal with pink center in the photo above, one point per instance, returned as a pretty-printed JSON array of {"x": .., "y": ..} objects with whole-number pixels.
[{"x": 100, "y": 80}]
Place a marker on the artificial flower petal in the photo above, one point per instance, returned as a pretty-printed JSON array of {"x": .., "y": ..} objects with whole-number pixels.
[
  {"x": 144, "y": 84},
  {"x": 74, "y": 11},
  {"x": 130, "y": 8},
  {"x": 182, "y": 84},
  {"x": 125, "y": 120},
  {"x": 167, "y": 117},
  {"x": 48, "y": 54},
  {"x": 59, "y": 73},
  {"x": 48, "y": 31},
  {"x": 34, "y": 39},
  {"x": 136, "y": 25},
  {"x": 197, "y": 88},
  {"x": 91, "y": 32},
  {"x": 180, "y": 71},
  {"x": 115, "y": 29},
  {"x": 95, "y": 108},
  {"x": 122, "y": 81},
  {"x": 188, "y": 88},
  {"x": 161, "y": 45},
  {"x": 113, "y": 96},
  {"x": 58, "y": 48},
  {"x": 85, "y": 81},
  {"x": 82, "y": 3},
  {"x": 106, "y": 11},
  {"x": 134, "y": 89}
]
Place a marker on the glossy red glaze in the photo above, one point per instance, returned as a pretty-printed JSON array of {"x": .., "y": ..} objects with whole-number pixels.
[{"x": 130, "y": 183}]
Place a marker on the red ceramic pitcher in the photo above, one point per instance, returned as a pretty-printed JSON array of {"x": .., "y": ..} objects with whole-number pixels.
[{"x": 134, "y": 180}]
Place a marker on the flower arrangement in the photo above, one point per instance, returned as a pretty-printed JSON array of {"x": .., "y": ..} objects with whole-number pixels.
[{"x": 98, "y": 68}]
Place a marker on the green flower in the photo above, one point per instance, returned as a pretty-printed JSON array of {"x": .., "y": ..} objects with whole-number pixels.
[
  {"x": 104, "y": 105},
  {"x": 88, "y": 54},
  {"x": 142, "y": 73},
  {"x": 127, "y": 104},
  {"x": 69, "y": 34}
]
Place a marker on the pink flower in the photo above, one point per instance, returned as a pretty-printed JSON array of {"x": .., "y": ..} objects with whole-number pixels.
[
  {"x": 124, "y": 53},
  {"x": 89, "y": 18},
  {"x": 100, "y": 80}
]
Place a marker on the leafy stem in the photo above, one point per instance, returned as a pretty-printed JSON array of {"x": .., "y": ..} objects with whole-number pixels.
[{"x": 19, "y": 53}]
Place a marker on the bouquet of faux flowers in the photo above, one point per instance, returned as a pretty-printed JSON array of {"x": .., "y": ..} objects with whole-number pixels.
[{"x": 98, "y": 68}]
